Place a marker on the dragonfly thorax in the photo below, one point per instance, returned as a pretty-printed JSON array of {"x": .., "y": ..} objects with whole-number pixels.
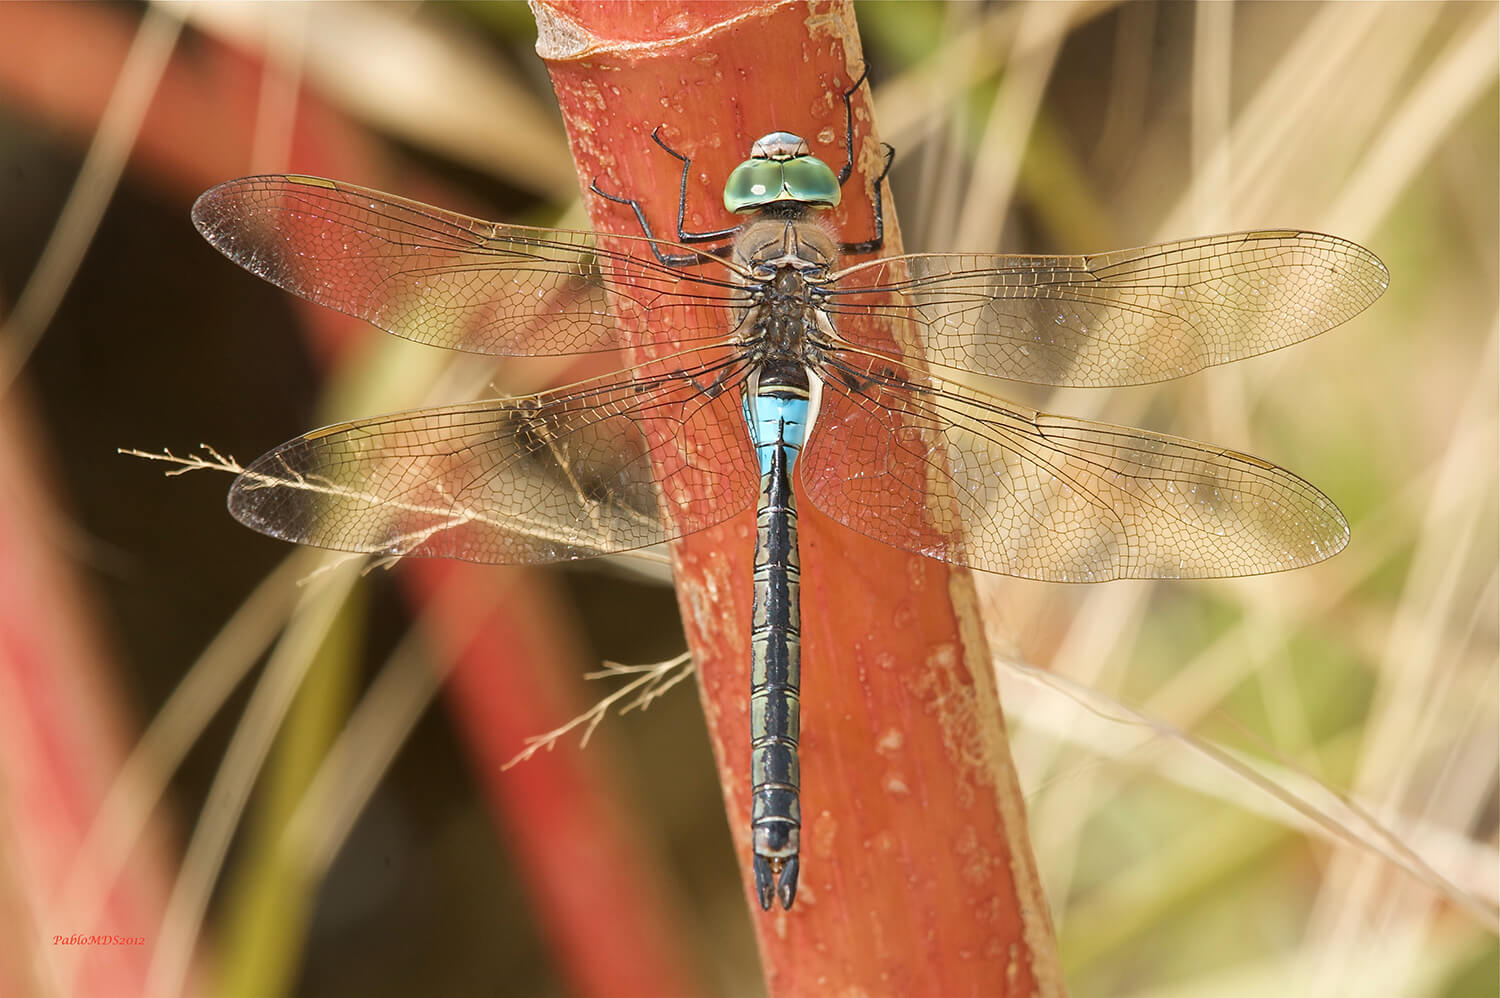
[
  {"x": 788, "y": 259},
  {"x": 773, "y": 242}
]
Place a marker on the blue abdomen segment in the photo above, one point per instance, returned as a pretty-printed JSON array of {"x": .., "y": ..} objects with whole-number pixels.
[{"x": 777, "y": 417}]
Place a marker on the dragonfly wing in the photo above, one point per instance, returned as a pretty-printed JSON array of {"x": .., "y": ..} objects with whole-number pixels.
[
  {"x": 595, "y": 468},
  {"x": 1123, "y": 318},
  {"x": 975, "y": 480},
  {"x": 445, "y": 279}
]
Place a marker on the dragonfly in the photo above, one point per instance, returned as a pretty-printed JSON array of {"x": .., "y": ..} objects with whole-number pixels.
[{"x": 775, "y": 365}]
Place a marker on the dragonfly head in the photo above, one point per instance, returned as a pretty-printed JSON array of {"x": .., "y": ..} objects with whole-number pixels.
[{"x": 780, "y": 169}]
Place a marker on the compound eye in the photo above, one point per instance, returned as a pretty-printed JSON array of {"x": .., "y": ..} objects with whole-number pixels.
[
  {"x": 753, "y": 184},
  {"x": 810, "y": 181}
]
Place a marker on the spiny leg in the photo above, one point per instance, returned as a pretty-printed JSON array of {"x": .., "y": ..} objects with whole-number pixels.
[
  {"x": 667, "y": 259},
  {"x": 688, "y": 237},
  {"x": 849, "y": 125},
  {"x": 875, "y": 244},
  {"x": 868, "y": 245}
]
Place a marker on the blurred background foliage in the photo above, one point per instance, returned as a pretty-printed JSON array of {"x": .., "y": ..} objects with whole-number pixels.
[{"x": 1050, "y": 128}]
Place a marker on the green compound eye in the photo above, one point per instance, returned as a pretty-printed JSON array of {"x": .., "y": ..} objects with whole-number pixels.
[
  {"x": 809, "y": 180},
  {"x": 756, "y": 183}
]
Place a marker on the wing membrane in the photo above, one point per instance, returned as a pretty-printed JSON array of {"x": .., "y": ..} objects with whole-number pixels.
[
  {"x": 1122, "y": 318},
  {"x": 977, "y": 481},
  {"x": 596, "y": 468},
  {"x": 445, "y": 279}
]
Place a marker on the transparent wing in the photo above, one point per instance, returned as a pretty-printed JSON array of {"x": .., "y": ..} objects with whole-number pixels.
[
  {"x": 1123, "y": 318},
  {"x": 974, "y": 480},
  {"x": 595, "y": 468},
  {"x": 452, "y": 281}
]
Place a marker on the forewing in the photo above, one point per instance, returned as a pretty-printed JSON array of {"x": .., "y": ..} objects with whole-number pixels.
[
  {"x": 977, "y": 481},
  {"x": 441, "y": 278},
  {"x": 1123, "y": 318},
  {"x": 596, "y": 468}
]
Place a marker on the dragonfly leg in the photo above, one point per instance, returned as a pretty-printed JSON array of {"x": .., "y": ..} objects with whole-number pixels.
[
  {"x": 873, "y": 245},
  {"x": 860, "y": 381},
  {"x": 715, "y": 388},
  {"x": 849, "y": 125},
  {"x": 682, "y": 236},
  {"x": 667, "y": 259},
  {"x": 868, "y": 245}
]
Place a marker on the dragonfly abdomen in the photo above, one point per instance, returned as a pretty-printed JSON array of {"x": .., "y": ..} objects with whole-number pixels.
[{"x": 778, "y": 420}]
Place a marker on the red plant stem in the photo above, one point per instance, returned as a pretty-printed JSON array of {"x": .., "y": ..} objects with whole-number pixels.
[
  {"x": 917, "y": 874},
  {"x": 612, "y": 935}
]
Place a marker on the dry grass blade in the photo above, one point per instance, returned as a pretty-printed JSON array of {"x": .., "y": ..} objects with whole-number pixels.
[
  {"x": 1310, "y": 804},
  {"x": 650, "y": 683},
  {"x": 247, "y": 751}
]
